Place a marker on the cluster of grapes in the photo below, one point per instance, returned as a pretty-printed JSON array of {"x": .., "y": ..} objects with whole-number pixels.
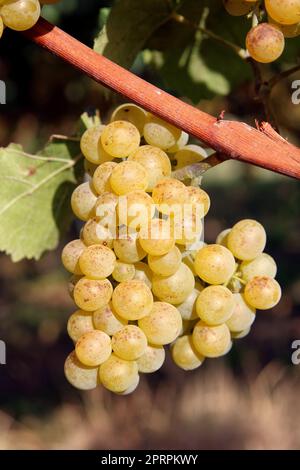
[
  {"x": 20, "y": 14},
  {"x": 153, "y": 282},
  {"x": 265, "y": 42}
]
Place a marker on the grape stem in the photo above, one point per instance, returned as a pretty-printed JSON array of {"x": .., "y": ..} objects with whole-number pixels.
[{"x": 236, "y": 140}]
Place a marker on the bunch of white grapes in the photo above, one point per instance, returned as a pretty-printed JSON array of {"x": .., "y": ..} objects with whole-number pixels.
[
  {"x": 151, "y": 286},
  {"x": 265, "y": 42},
  {"x": 20, "y": 15}
]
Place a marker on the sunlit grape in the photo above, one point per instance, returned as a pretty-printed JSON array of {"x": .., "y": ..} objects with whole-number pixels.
[
  {"x": 83, "y": 201},
  {"x": 169, "y": 192},
  {"x": 215, "y": 305},
  {"x": 262, "y": 292},
  {"x": 93, "y": 348},
  {"x": 123, "y": 271},
  {"x": 243, "y": 314},
  {"x": 107, "y": 320},
  {"x": 80, "y": 376},
  {"x": 132, "y": 113},
  {"x": 71, "y": 254},
  {"x": 185, "y": 355},
  {"x": 162, "y": 325},
  {"x": 91, "y": 294},
  {"x": 80, "y": 322},
  {"x": 160, "y": 134},
  {"x": 97, "y": 262},
  {"x": 211, "y": 341},
  {"x": 101, "y": 178},
  {"x": 132, "y": 300},
  {"x": 152, "y": 359},
  {"x": 214, "y": 264},
  {"x": 176, "y": 288},
  {"x": 167, "y": 264},
  {"x": 129, "y": 343},
  {"x": 265, "y": 43},
  {"x": 247, "y": 239},
  {"x": 284, "y": 11},
  {"x": 188, "y": 155},
  {"x": 262, "y": 265},
  {"x": 117, "y": 375},
  {"x": 120, "y": 139},
  {"x": 128, "y": 176},
  {"x": 156, "y": 238},
  {"x": 129, "y": 249},
  {"x": 20, "y": 14},
  {"x": 155, "y": 161}
]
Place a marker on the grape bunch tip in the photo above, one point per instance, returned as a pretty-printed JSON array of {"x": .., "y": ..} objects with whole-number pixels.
[{"x": 142, "y": 277}]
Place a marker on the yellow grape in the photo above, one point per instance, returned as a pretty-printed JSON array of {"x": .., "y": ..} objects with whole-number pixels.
[
  {"x": 288, "y": 30},
  {"x": 120, "y": 139},
  {"x": 160, "y": 134},
  {"x": 188, "y": 155},
  {"x": 214, "y": 264},
  {"x": 135, "y": 209},
  {"x": 180, "y": 143},
  {"x": 174, "y": 289},
  {"x": 129, "y": 249},
  {"x": 123, "y": 271},
  {"x": 185, "y": 355},
  {"x": 215, "y": 305},
  {"x": 107, "y": 320},
  {"x": 265, "y": 43},
  {"x": 83, "y": 201},
  {"x": 243, "y": 314},
  {"x": 284, "y": 11},
  {"x": 80, "y": 322},
  {"x": 199, "y": 197},
  {"x": 143, "y": 273},
  {"x": 262, "y": 292},
  {"x": 162, "y": 325},
  {"x": 97, "y": 262},
  {"x": 152, "y": 359},
  {"x": 72, "y": 283},
  {"x": 105, "y": 210},
  {"x": 237, "y": 7},
  {"x": 167, "y": 264},
  {"x": 132, "y": 113},
  {"x": 211, "y": 341},
  {"x": 155, "y": 238},
  {"x": 117, "y": 375},
  {"x": 93, "y": 348},
  {"x": 262, "y": 265},
  {"x": 71, "y": 254},
  {"x": 187, "y": 309},
  {"x": 128, "y": 176},
  {"x": 90, "y": 148},
  {"x": 91, "y": 294},
  {"x": 129, "y": 343},
  {"x": 20, "y": 14},
  {"x": 94, "y": 233},
  {"x": 222, "y": 238},
  {"x": 155, "y": 161},
  {"x": 187, "y": 226},
  {"x": 168, "y": 194},
  {"x": 101, "y": 178},
  {"x": 240, "y": 334},
  {"x": 132, "y": 300},
  {"x": 80, "y": 376},
  {"x": 247, "y": 239},
  {"x": 132, "y": 387}
]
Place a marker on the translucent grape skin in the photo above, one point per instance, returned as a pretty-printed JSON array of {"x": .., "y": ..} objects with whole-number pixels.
[
  {"x": 117, "y": 374},
  {"x": 132, "y": 113},
  {"x": 188, "y": 155},
  {"x": 120, "y": 139},
  {"x": 132, "y": 300},
  {"x": 160, "y": 134},
  {"x": 262, "y": 265},
  {"x": 174, "y": 289},
  {"x": 262, "y": 292},
  {"x": 123, "y": 271},
  {"x": 71, "y": 254},
  {"x": 101, "y": 177},
  {"x": 79, "y": 323},
  {"x": 97, "y": 262},
  {"x": 93, "y": 348},
  {"x": 185, "y": 355},
  {"x": 247, "y": 239},
  {"x": 187, "y": 309},
  {"x": 155, "y": 161},
  {"x": 135, "y": 210},
  {"x": 285, "y": 12},
  {"x": 215, "y": 305},
  {"x": 214, "y": 264},
  {"x": 94, "y": 233},
  {"x": 129, "y": 249},
  {"x": 107, "y": 320},
  {"x": 265, "y": 43},
  {"x": 83, "y": 201},
  {"x": 162, "y": 325},
  {"x": 243, "y": 315},
  {"x": 21, "y": 14},
  {"x": 89, "y": 145},
  {"x": 211, "y": 341},
  {"x": 92, "y": 294},
  {"x": 199, "y": 197},
  {"x": 169, "y": 192},
  {"x": 129, "y": 343},
  {"x": 128, "y": 176},
  {"x": 155, "y": 238},
  {"x": 167, "y": 264},
  {"x": 78, "y": 375},
  {"x": 152, "y": 359},
  {"x": 222, "y": 238}
]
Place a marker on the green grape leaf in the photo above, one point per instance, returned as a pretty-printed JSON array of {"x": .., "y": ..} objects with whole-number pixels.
[
  {"x": 34, "y": 196},
  {"x": 199, "y": 67},
  {"x": 128, "y": 26}
]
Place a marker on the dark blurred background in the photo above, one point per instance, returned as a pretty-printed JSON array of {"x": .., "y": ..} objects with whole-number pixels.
[{"x": 247, "y": 400}]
